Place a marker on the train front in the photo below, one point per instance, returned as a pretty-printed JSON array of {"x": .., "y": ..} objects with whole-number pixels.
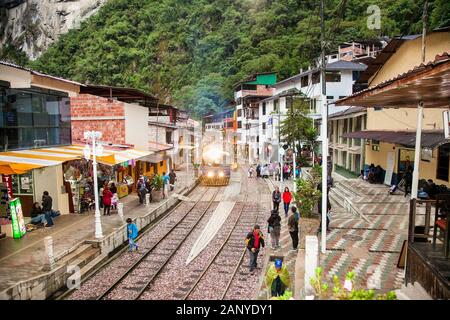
[{"x": 214, "y": 170}]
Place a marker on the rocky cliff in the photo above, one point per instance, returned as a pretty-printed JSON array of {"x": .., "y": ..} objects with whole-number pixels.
[{"x": 32, "y": 25}]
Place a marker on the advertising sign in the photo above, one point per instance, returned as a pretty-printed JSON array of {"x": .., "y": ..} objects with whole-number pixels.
[
  {"x": 18, "y": 224},
  {"x": 446, "y": 119}
]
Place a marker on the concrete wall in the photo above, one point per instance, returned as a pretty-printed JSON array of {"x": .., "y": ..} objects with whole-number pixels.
[
  {"x": 136, "y": 125},
  {"x": 51, "y": 179}
]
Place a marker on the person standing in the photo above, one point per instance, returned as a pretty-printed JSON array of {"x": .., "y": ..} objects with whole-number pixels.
[
  {"x": 277, "y": 278},
  {"x": 172, "y": 179},
  {"x": 287, "y": 198},
  {"x": 274, "y": 222},
  {"x": 258, "y": 170},
  {"x": 142, "y": 190},
  {"x": 107, "y": 197},
  {"x": 277, "y": 173},
  {"x": 408, "y": 180},
  {"x": 319, "y": 187},
  {"x": 254, "y": 241},
  {"x": 100, "y": 193},
  {"x": 276, "y": 198},
  {"x": 166, "y": 180},
  {"x": 47, "y": 203},
  {"x": 293, "y": 227},
  {"x": 132, "y": 233}
]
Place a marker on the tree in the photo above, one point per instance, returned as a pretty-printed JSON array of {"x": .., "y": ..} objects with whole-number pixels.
[{"x": 297, "y": 127}]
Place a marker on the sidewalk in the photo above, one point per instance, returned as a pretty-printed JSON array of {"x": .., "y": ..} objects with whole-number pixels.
[
  {"x": 21, "y": 259},
  {"x": 371, "y": 249}
]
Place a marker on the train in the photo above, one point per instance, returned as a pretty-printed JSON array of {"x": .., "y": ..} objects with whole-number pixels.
[{"x": 214, "y": 170}]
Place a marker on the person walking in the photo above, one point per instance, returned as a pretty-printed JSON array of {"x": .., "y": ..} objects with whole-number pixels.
[
  {"x": 258, "y": 170},
  {"x": 250, "y": 171},
  {"x": 107, "y": 197},
  {"x": 276, "y": 198},
  {"x": 47, "y": 203},
  {"x": 132, "y": 233},
  {"x": 254, "y": 242},
  {"x": 172, "y": 179},
  {"x": 277, "y": 173},
  {"x": 274, "y": 222},
  {"x": 277, "y": 278},
  {"x": 293, "y": 227},
  {"x": 287, "y": 198}
]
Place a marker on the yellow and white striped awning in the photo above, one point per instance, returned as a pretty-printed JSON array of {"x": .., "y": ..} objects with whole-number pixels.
[{"x": 21, "y": 161}]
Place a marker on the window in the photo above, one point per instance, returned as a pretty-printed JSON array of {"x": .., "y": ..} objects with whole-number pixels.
[
  {"x": 169, "y": 137},
  {"x": 333, "y": 76},
  {"x": 330, "y": 97},
  {"x": 264, "y": 108},
  {"x": 32, "y": 118},
  {"x": 276, "y": 105},
  {"x": 264, "y": 125},
  {"x": 443, "y": 161},
  {"x": 378, "y": 108},
  {"x": 315, "y": 78},
  {"x": 356, "y": 75},
  {"x": 161, "y": 164},
  {"x": 304, "y": 81},
  {"x": 239, "y": 113},
  {"x": 342, "y": 97},
  {"x": 249, "y": 87},
  {"x": 239, "y": 124}
]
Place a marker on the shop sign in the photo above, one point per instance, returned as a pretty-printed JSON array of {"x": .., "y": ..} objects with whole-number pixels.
[
  {"x": 446, "y": 119},
  {"x": 7, "y": 181},
  {"x": 18, "y": 223}
]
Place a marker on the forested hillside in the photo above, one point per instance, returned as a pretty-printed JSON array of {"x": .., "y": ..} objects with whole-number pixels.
[{"x": 190, "y": 52}]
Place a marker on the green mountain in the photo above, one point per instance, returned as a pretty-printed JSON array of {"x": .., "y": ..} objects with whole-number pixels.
[{"x": 191, "y": 52}]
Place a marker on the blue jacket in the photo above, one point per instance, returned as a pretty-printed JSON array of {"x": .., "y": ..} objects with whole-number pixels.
[{"x": 132, "y": 231}]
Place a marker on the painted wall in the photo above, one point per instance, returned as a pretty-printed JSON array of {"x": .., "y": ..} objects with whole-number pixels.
[
  {"x": 51, "y": 179},
  {"x": 136, "y": 126}
]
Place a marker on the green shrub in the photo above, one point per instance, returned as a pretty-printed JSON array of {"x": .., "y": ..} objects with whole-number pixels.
[
  {"x": 306, "y": 197},
  {"x": 157, "y": 182}
]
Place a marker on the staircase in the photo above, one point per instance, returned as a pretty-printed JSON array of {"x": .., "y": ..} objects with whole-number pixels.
[{"x": 412, "y": 292}]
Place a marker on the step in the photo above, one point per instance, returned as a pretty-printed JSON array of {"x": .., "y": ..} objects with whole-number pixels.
[
  {"x": 412, "y": 292},
  {"x": 74, "y": 254},
  {"x": 92, "y": 264},
  {"x": 86, "y": 257}
]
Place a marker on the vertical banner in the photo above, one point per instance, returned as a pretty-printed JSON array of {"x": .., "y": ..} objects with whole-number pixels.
[
  {"x": 389, "y": 167},
  {"x": 7, "y": 181},
  {"x": 445, "y": 115}
]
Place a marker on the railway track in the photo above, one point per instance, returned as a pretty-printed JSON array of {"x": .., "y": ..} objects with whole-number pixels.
[{"x": 137, "y": 277}]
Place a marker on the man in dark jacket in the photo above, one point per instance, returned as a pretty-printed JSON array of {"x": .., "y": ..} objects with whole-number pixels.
[
  {"x": 408, "y": 180},
  {"x": 276, "y": 198},
  {"x": 172, "y": 178},
  {"x": 47, "y": 203},
  {"x": 293, "y": 227},
  {"x": 254, "y": 241}
]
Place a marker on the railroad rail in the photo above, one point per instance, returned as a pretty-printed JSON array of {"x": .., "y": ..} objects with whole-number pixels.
[{"x": 120, "y": 284}]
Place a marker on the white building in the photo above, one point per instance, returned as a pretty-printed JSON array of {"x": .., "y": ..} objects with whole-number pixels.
[{"x": 340, "y": 77}]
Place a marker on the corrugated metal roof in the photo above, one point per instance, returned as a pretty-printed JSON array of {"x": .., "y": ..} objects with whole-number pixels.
[
  {"x": 346, "y": 65},
  {"x": 430, "y": 139}
]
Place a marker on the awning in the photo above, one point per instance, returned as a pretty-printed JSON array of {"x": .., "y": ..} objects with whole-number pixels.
[
  {"x": 428, "y": 83},
  {"x": 21, "y": 161},
  {"x": 430, "y": 139}
]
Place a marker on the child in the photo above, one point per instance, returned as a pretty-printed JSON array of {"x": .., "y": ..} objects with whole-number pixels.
[{"x": 132, "y": 232}]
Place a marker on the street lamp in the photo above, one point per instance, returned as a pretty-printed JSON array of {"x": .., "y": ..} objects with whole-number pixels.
[{"x": 97, "y": 150}]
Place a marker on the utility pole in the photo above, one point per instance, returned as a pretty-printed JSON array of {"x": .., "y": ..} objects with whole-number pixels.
[{"x": 324, "y": 131}]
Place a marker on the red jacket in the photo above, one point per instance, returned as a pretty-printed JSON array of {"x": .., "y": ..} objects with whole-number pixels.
[
  {"x": 107, "y": 196},
  {"x": 287, "y": 197}
]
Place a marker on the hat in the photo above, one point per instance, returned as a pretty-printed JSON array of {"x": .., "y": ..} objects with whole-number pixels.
[{"x": 278, "y": 263}]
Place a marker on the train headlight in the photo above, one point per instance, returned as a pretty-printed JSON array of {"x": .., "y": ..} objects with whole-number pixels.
[
  {"x": 210, "y": 174},
  {"x": 221, "y": 174}
]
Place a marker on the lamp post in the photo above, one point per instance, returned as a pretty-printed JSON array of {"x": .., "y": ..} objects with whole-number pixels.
[{"x": 97, "y": 150}]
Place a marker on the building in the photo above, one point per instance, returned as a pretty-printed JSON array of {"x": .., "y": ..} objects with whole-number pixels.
[
  {"x": 340, "y": 78},
  {"x": 247, "y": 95},
  {"x": 389, "y": 133},
  {"x": 35, "y": 119}
]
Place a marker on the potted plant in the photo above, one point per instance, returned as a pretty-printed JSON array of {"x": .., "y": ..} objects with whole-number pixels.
[
  {"x": 157, "y": 184},
  {"x": 306, "y": 198},
  {"x": 345, "y": 291},
  {"x": 196, "y": 169}
]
